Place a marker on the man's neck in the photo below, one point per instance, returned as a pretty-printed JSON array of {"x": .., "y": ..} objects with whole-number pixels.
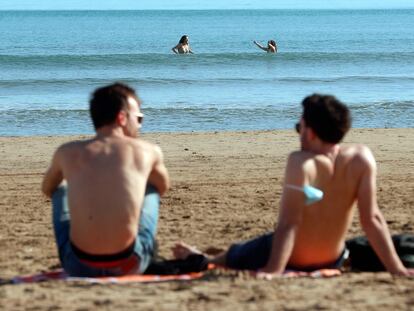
[
  {"x": 329, "y": 150},
  {"x": 109, "y": 131}
]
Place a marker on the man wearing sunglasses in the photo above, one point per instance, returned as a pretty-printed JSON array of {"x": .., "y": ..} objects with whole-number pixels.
[
  {"x": 105, "y": 191},
  {"x": 323, "y": 181}
]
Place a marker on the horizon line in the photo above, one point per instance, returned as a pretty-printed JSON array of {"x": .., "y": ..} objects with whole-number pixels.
[{"x": 221, "y": 9}]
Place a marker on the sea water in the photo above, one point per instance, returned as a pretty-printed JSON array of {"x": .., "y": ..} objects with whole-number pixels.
[{"x": 51, "y": 61}]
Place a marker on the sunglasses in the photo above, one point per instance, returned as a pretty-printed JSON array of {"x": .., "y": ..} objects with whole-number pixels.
[
  {"x": 139, "y": 116},
  {"x": 297, "y": 127}
]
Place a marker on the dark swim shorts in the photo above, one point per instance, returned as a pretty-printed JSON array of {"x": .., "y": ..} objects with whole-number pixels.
[{"x": 254, "y": 254}]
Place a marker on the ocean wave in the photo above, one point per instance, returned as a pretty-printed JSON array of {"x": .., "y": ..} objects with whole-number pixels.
[
  {"x": 151, "y": 59},
  {"x": 186, "y": 119},
  {"x": 18, "y": 83},
  {"x": 402, "y": 106},
  {"x": 183, "y": 108}
]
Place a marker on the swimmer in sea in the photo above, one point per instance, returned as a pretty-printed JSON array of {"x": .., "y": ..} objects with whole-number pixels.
[
  {"x": 271, "y": 46},
  {"x": 183, "y": 46}
]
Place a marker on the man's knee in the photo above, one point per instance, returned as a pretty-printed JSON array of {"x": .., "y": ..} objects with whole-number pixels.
[
  {"x": 151, "y": 190},
  {"x": 60, "y": 204},
  {"x": 152, "y": 200},
  {"x": 59, "y": 192}
]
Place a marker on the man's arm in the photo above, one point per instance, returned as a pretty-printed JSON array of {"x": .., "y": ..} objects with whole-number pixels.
[
  {"x": 260, "y": 46},
  {"x": 53, "y": 176},
  {"x": 372, "y": 220},
  {"x": 174, "y": 49},
  {"x": 290, "y": 217},
  {"x": 159, "y": 177}
]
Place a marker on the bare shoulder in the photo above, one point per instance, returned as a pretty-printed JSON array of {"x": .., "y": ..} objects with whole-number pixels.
[
  {"x": 297, "y": 163},
  {"x": 300, "y": 158},
  {"x": 144, "y": 144},
  {"x": 147, "y": 147},
  {"x": 70, "y": 147},
  {"x": 359, "y": 155}
]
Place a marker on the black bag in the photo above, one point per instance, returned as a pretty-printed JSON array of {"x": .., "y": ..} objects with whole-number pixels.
[
  {"x": 363, "y": 258},
  {"x": 162, "y": 266},
  {"x": 193, "y": 263}
]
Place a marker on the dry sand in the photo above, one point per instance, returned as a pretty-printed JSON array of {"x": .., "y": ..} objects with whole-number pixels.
[{"x": 226, "y": 187}]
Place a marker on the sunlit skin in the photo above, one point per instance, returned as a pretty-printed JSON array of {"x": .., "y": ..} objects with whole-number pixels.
[
  {"x": 270, "y": 48},
  {"x": 106, "y": 178},
  {"x": 314, "y": 235},
  {"x": 183, "y": 47}
]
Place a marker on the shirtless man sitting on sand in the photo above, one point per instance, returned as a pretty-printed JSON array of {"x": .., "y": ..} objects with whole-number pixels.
[
  {"x": 322, "y": 182},
  {"x": 105, "y": 191}
]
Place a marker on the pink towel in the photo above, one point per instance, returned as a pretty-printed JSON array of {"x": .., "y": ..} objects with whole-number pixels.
[{"x": 61, "y": 275}]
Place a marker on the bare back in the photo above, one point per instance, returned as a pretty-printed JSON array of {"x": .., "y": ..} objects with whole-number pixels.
[
  {"x": 106, "y": 185},
  {"x": 321, "y": 234}
]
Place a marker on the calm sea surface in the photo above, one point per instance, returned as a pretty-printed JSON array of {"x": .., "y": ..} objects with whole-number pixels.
[{"x": 50, "y": 61}]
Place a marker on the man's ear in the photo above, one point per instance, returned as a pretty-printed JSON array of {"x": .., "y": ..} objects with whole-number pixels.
[
  {"x": 121, "y": 118},
  {"x": 311, "y": 134}
]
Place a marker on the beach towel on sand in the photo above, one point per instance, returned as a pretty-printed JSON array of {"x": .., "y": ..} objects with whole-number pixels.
[
  {"x": 138, "y": 278},
  {"x": 162, "y": 271},
  {"x": 148, "y": 278},
  {"x": 192, "y": 268}
]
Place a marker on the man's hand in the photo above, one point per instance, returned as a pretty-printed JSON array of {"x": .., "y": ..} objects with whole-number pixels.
[
  {"x": 405, "y": 272},
  {"x": 53, "y": 176},
  {"x": 159, "y": 176},
  {"x": 267, "y": 276},
  {"x": 267, "y": 273}
]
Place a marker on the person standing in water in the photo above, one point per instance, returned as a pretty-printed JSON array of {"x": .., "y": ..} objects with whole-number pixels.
[
  {"x": 183, "y": 46},
  {"x": 271, "y": 46}
]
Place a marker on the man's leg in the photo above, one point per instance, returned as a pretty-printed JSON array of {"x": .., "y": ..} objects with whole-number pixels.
[
  {"x": 249, "y": 255},
  {"x": 147, "y": 230},
  {"x": 61, "y": 220}
]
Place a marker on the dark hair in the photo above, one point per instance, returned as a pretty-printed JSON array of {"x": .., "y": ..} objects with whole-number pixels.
[
  {"x": 272, "y": 42},
  {"x": 106, "y": 102},
  {"x": 183, "y": 38},
  {"x": 328, "y": 117}
]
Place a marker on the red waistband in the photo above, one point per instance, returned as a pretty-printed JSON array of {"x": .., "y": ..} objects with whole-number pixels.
[
  {"x": 124, "y": 254},
  {"x": 127, "y": 260},
  {"x": 127, "y": 264}
]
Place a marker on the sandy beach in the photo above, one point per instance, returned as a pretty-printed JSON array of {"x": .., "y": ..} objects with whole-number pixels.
[{"x": 225, "y": 187}]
